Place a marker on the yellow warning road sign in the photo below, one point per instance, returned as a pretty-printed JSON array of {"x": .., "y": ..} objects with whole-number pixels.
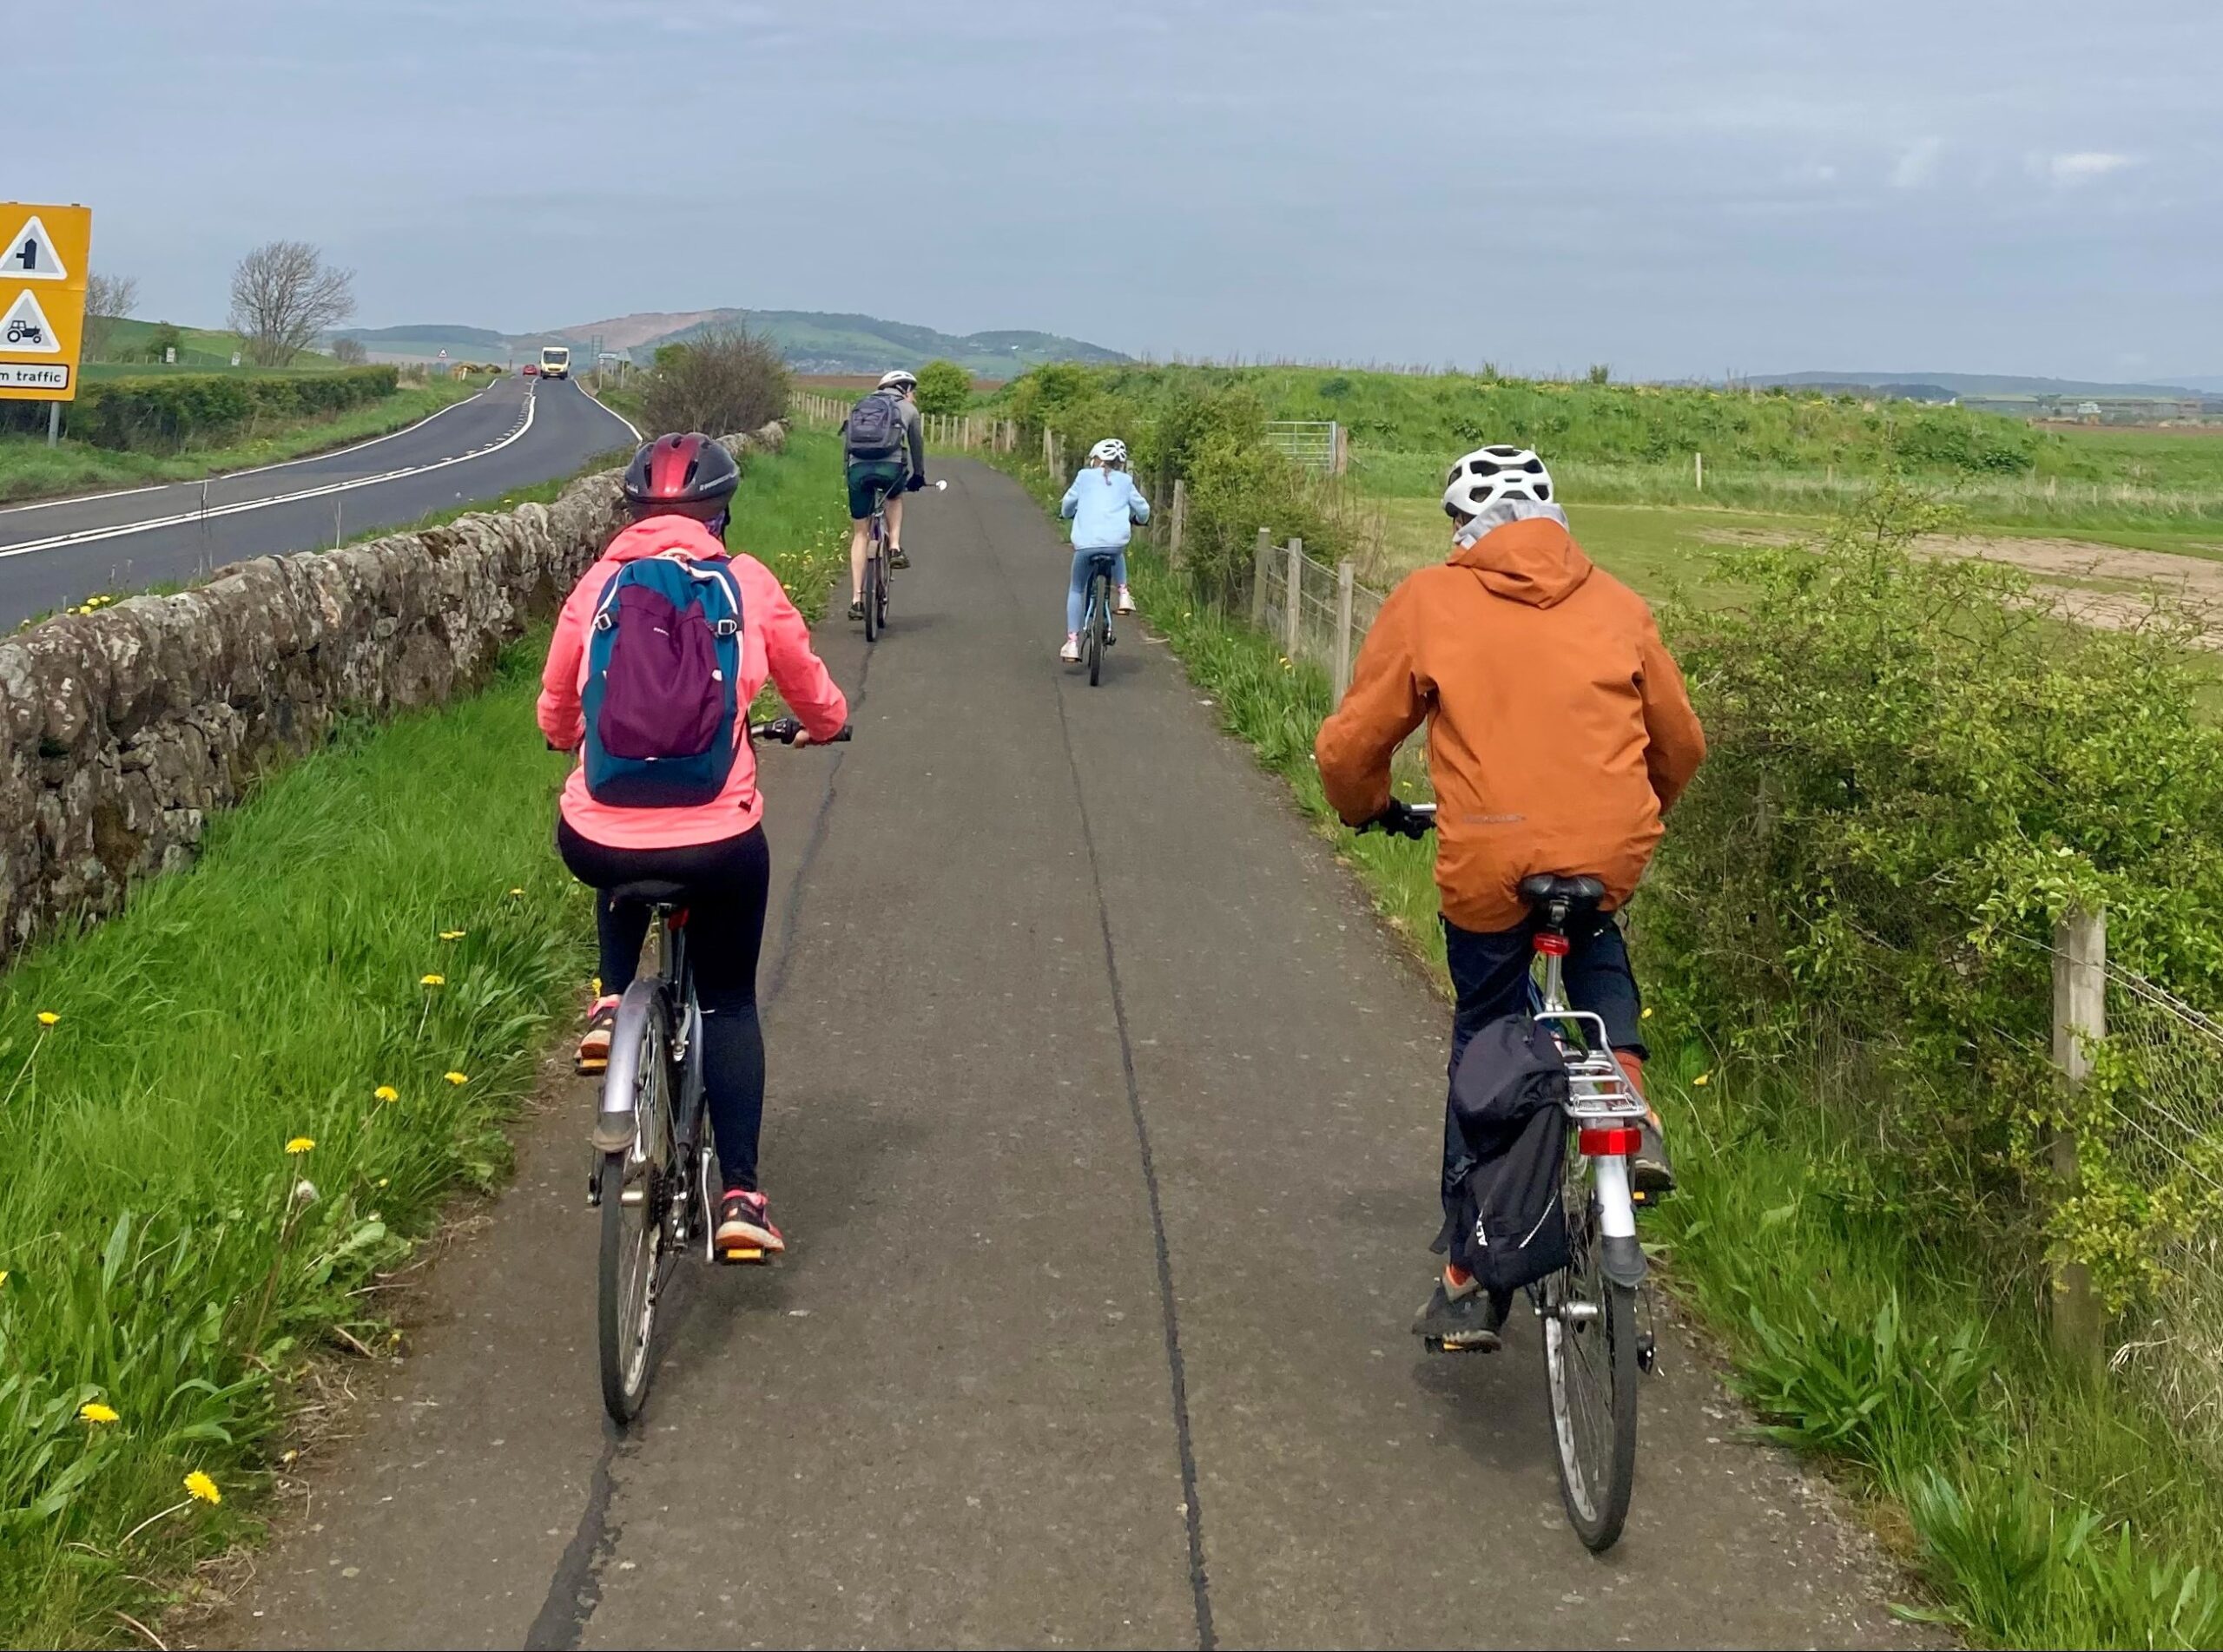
[{"x": 43, "y": 270}]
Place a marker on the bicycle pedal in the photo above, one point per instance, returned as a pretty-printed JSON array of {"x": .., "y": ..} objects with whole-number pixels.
[
  {"x": 741, "y": 1254},
  {"x": 1487, "y": 1342}
]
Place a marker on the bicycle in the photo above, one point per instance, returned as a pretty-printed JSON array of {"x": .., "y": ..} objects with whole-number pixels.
[
  {"x": 1592, "y": 1349},
  {"x": 1096, "y": 618},
  {"x": 876, "y": 565},
  {"x": 651, "y": 1177}
]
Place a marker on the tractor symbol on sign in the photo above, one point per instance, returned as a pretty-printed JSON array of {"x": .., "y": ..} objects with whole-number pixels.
[{"x": 21, "y": 331}]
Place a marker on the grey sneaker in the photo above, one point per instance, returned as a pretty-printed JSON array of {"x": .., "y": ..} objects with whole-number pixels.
[
  {"x": 1465, "y": 1320},
  {"x": 1652, "y": 1178}
]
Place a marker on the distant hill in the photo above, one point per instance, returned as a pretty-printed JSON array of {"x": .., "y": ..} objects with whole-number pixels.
[
  {"x": 811, "y": 341},
  {"x": 1978, "y": 384}
]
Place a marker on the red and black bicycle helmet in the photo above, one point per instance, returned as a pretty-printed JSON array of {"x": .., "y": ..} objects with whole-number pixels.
[{"x": 687, "y": 472}]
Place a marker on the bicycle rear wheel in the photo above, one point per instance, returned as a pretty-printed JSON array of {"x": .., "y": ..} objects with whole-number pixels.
[
  {"x": 1098, "y": 607},
  {"x": 633, "y": 1188},
  {"x": 1590, "y": 1370}
]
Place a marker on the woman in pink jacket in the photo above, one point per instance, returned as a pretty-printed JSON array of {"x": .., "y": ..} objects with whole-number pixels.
[{"x": 678, "y": 489}]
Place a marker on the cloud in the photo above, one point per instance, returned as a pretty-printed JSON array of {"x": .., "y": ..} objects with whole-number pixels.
[
  {"x": 2080, "y": 166},
  {"x": 1917, "y": 164}
]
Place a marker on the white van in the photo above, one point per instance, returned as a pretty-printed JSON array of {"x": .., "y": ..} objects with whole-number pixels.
[{"x": 555, "y": 362}]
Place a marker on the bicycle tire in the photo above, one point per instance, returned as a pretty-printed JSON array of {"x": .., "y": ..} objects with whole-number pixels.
[
  {"x": 1597, "y": 1475},
  {"x": 884, "y": 582},
  {"x": 1096, "y": 627},
  {"x": 629, "y": 1263},
  {"x": 872, "y": 595}
]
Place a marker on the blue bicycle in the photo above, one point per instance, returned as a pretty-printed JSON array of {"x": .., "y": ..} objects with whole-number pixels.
[{"x": 1096, "y": 634}]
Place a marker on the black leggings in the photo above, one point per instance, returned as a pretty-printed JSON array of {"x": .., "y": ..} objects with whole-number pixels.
[{"x": 726, "y": 884}]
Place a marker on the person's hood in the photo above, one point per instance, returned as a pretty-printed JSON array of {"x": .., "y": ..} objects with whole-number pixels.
[
  {"x": 654, "y": 536},
  {"x": 1533, "y": 560}
]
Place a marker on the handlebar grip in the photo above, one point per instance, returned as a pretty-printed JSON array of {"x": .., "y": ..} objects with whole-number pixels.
[{"x": 785, "y": 729}]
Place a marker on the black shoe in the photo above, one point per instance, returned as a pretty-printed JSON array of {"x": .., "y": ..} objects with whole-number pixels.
[
  {"x": 857, "y": 610},
  {"x": 1651, "y": 1177},
  {"x": 1466, "y": 1322},
  {"x": 897, "y": 559}
]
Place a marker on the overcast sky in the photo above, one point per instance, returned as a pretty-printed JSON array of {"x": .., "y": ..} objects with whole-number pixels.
[{"x": 2005, "y": 186}]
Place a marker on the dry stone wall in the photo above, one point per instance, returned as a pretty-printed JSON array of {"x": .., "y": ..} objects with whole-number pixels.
[{"x": 123, "y": 729}]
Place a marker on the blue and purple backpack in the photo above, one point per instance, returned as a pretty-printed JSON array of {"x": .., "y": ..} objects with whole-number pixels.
[{"x": 663, "y": 683}]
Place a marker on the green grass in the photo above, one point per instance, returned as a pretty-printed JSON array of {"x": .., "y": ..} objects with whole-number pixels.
[
  {"x": 31, "y": 469},
  {"x": 2036, "y": 1504},
  {"x": 157, "y": 1259},
  {"x": 130, "y": 345}
]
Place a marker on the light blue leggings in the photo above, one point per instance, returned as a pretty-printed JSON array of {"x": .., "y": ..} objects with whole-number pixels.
[{"x": 1076, "y": 593}]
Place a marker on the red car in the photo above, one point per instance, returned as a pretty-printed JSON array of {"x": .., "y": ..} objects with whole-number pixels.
[{"x": 533, "y": 370}]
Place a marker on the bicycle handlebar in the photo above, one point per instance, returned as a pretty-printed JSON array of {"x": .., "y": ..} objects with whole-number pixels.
[
  {"x": 784, "y": 729},
  {"x": 1414, "y": 820}
]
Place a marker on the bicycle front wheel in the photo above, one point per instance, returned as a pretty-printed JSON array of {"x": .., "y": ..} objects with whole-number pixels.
[
  {"x": 1590, "y": 1368},
  {"x": 875, "y": 604},
  {"x": 1097, "y": 623}
]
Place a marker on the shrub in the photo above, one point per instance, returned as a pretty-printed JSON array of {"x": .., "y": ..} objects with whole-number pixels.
[
  {"x": 720, "y": 383},
  {"x": 351, "y": 352},
  {"x": 1916, "y": 769},
  {"x": 943, "y": 387},
  {"x": 174, "y": 410}
]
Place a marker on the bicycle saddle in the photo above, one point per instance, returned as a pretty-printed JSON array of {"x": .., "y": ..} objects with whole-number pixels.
[
  {"x": 1581, "y": 893},
  {"x": 650, "y": 891}
]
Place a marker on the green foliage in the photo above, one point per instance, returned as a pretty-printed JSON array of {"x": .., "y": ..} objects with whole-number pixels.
[
  {"x": 165, "y": 414},
  {"x": 1601, "y": 372},
  {"x": 164, "y": 339},
  {"x": 1915, "y": 770},
  {"x": 943, "y": 387}
]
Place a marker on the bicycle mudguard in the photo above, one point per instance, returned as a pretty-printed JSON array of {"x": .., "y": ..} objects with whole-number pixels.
[
  {"x": 1623, "y": 1261},
  {"x": 615, "y": 1123}
]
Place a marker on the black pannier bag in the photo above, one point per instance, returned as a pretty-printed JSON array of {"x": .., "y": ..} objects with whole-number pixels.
[{"x": 1505, "y": 1156}]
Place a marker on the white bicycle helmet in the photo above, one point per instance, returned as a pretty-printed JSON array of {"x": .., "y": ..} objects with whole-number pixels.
[
  {"x": 1110, "y": 450},
  {"x": 1492, "y": 476},
  {"x": 901, "y": 379}
]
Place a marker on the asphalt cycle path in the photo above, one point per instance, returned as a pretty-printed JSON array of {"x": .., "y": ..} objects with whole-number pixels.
[
  {"x": 1103, "y": 1120},
  {"x": 515, "y": 433}
]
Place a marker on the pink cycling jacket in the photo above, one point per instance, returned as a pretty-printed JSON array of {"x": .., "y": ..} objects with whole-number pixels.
[{"x": 775, "y": 644}]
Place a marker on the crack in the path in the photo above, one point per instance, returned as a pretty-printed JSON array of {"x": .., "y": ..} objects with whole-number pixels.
[{"x": 1177, "y": 1370}]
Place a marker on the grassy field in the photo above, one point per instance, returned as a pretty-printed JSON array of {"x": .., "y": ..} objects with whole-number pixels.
[
  {"x": 129, "y": 349},
  {"x": 31, "y": 469},
  {"x": 223, "y": 1125}
]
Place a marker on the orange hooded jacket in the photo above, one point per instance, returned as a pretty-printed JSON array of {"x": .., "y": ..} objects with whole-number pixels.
[{"x": 1559, "y": 728}]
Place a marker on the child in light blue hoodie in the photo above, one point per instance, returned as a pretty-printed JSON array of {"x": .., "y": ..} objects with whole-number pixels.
[{"x": 1104, "y": 504}]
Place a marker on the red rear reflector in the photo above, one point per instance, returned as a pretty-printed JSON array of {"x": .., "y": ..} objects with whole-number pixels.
[
  {"x": 1607, "y": 1142},
  {"x": 1550, "y": 943}
]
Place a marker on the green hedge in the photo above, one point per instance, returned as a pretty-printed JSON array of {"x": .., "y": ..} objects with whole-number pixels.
[
  {"x": 1914, "y": 769},
  {"x": 164, "y": 414}
]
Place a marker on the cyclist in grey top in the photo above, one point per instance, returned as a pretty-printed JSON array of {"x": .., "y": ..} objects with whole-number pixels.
[{"x": 874, "y": 438}]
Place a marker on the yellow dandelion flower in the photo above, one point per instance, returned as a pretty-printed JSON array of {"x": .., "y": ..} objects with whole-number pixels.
[
  {"x": 198, "y": 1485},
  {"x": 47, "y": 1018},
  {"x": 3, "y": 1276},
  {"x": 299, "y": 1145},
  {"x": 1647, "y": 1013},
  {"x": 517, "y": 892},
  {"x": 1702, "y": 1080},
  {"x": 431, "y": 980},
  {"x": 386, "y": 1093},
  {"x": 93, "y": 1412},
  {"x": 454, "y": 934},
  {"x": 382, "y": 1181},
  {"x": 456, "y": 1078}
]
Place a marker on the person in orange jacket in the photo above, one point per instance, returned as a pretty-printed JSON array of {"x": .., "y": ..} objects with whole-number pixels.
[{"x": 1559, "y": 734}]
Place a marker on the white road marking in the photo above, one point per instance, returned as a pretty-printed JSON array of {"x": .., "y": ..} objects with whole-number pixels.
[
  {"x": 87, "y": 536},
  {"x": 226, "y": 475}
]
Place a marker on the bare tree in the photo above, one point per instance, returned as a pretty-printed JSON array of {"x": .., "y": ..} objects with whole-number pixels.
[
  {"x": 109, "y": 298},
  {"x": 284, "y": 294},
  {"x": 350, "y": 352},
  {"x": 720, "y": 383}
]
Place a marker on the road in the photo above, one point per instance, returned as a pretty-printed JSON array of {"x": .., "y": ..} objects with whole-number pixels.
[
  {"x": 516, "y": 432},
  {"x": 1104, "y": 1124}
]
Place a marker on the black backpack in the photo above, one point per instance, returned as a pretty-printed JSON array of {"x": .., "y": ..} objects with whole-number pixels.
[
  {"x": 875, "y": 428},
  {"x": 1504, "y": 1215}
]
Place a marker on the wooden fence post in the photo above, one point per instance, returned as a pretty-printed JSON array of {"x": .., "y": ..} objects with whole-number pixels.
[
  {"x": 1698, "y": 469},
  {"x": 1262, "y": 570},
  {"x": 1346, "y": 575},
  {"x": 1293, "y": 605},
  {"x": 1179, "y": 520},
  {"x": 2080, "y": 1019}
]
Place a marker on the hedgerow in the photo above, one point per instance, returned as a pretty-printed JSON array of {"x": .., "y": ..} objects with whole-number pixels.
[{"x": 174, "y": 410}]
